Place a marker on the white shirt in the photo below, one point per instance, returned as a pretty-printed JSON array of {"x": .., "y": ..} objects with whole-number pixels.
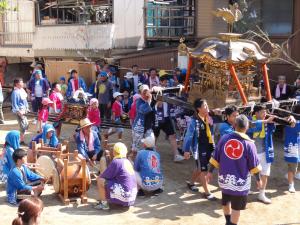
[
  {"x": 165, "y": 106},
  {"x": 38, "y": 90},
  {"x": 135, "y": 83}
]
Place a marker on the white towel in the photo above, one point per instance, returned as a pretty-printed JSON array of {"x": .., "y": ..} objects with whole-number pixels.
[{"x": 277, "y": 94}]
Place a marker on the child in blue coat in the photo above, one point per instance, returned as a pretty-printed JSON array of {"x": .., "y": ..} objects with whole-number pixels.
[
  {"x": 12, "y": 142},
  {"x": 21, "y": 180},
  {"x": 292, "y": 150}
]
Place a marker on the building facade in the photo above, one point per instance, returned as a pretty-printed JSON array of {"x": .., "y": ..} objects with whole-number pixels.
[{"x": 133, "y": 31}]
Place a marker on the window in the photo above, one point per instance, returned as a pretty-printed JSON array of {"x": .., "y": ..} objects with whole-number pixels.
[
  {"x": 273, "y": 17},
  {"x": 169, "y": 19},
  {"x": 277, "y": 17},
  {"x": 51, "y": 12}
]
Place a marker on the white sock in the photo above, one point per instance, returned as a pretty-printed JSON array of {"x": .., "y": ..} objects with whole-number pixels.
[
  {"x": 262, "y": 192},
  {"x": 291, "y": 184}
]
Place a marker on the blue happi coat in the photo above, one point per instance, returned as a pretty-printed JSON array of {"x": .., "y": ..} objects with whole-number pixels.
[
  {"x": 83, "y": 147},
  {"x": 291, "y": 144},
  {"x": 268, "y": 139},
  {"x": 81, "y": 84},
  {"x": 12, "y": 142},
  {"x": 16, "y": 182},
  {"x": 191, "y": 140},
  {"x": 52, "y": 142},
  {"x": 142, "y": 108}
]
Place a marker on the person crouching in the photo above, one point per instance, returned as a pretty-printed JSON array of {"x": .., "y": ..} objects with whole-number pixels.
[
  {"x": 148, "y": 169},
  {"x": 117, "y": 184},
  {"x": 21, "y": 180},
  {"x": 88, "y": 142}
]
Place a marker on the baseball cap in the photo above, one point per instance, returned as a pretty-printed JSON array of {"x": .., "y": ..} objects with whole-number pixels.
[
  {"x": 46, "y": 101},
  {"x": 39, "y": 72},
  {"x": 116, "y": 94}
]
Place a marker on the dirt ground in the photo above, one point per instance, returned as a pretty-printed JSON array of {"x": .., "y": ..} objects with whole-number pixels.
[{"x": 176, "y": 205}]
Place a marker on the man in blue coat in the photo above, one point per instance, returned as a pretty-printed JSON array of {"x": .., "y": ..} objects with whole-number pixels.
[
  {"x": 38, "y": 87},
  {"x": 198, "y": 140},
  {"x": 74, "y": 84},
  {"x": 88, "y": 142}
]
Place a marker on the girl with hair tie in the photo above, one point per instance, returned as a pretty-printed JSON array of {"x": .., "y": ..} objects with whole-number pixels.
[{"x": 29, "y": 212}]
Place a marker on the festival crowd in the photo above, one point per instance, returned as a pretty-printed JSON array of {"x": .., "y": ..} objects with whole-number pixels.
[{"x": 240, "y": 148}]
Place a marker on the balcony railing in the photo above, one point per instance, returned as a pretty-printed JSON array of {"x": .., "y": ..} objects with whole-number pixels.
[
  {"x": 16, "y": 39},
  {"x": 167, "y": 22}
]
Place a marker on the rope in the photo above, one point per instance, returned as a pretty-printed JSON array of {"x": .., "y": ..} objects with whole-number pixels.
[
  {"x": 251, "y": 104},
  {"x": 181, "y": 89},
  {"x": 275, "y": 105},
  {"x": 158, "y": 91}
]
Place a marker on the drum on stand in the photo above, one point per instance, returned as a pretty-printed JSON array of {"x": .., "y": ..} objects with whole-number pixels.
[
  {"x": 45, "y": 166},
  {"x": 56, "y": 180},
  {"x": 74, "y": 180}
]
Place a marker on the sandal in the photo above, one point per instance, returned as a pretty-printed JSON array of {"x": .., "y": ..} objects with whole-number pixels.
[
  {"x": 210, "y": 197},
  {"x": 192, "y": 187}
]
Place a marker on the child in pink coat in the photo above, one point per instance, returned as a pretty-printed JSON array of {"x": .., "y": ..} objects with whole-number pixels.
[
  {"x": 43, "y": 114},
  {"x": 132, "y": 111},
  {"x": 57, "y": 98},
  {"x": 94, "y": 115}
]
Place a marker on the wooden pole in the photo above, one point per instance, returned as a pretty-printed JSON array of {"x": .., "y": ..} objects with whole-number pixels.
[
  {"x": 83, "y": 167},
  {"x": 188, "y": 74},
  {"x": 34, "y": 149},
  {"x": 266, "y": 82},
  {"x": 66, "y": 194},
  {"x": 238, "y": 84}
]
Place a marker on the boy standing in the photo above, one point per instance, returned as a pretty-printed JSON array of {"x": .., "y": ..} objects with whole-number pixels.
[
  {"x": 20, "y": 106},
  {"x": 117, "y": 112},
  {"x": 262, "y": 134},
  {"x": 292, "y": 150},
  {"x": 104, "y": 93},
  {"x": 63, "y": 85}
]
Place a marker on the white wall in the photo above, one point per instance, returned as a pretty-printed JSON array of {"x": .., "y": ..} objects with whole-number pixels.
[
  {"x": 96, "y": 37},
  {"x": 129, "y": 23}
]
